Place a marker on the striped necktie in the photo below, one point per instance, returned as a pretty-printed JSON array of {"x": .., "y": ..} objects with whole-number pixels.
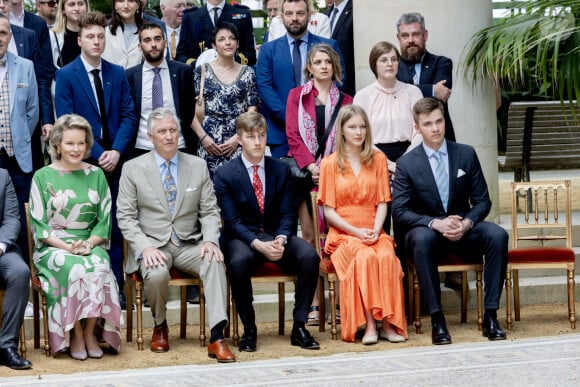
[{"x": 442, "y": 179}]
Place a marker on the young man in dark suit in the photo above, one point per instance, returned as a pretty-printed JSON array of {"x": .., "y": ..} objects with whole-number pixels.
[
  {"x": 440, "y": 201},
  {"x": 259, "y": 226},
  {"x": 340, "y": 14}
]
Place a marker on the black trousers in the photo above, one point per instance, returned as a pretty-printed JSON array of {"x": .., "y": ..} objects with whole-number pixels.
[
  {"x": 426, "y": 246},
  {"x": 299, "y": 259}
]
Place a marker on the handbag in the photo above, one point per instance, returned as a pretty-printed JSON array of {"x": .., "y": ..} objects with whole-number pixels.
[
  {"x": 200, "y": 100},
  {"x": 301, "y": 174}
]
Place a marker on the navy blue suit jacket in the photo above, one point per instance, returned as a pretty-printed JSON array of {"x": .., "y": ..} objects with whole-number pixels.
[
  {"x": 38, "y": 25},
  {"x": 183, "y": 97},
  {"x": 197, "y": 27},
  {"x": 343, "y": 34},
  {"x": 275, "y": 77},
  {"x": 240, "y": 211},
  {"x": 416, "y": 200},
  {"x": 74, "y": 94},
  {"x": 434, "y": 68}
]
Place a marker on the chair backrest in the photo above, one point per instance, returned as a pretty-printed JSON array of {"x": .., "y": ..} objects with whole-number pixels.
[
  {"x": 319, "y": 236},
  {"x": 541, "y": 214},
  {"x": 34, "y": 279}
]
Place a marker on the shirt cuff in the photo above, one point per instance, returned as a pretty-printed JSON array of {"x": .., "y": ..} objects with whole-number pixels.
[
  {"x": 3, "y": 246},
  {"x": 282, "y": 236}
]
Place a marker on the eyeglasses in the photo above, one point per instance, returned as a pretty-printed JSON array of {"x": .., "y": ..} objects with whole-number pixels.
[{"x": 49, "y": 3}]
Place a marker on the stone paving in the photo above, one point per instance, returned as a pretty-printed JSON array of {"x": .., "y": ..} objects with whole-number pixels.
[{"x": 546, "y": 361}]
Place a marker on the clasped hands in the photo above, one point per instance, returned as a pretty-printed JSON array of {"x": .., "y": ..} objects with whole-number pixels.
[
  {"x": 452, "y": 227},
  {"x": 367, "y": 236},
  {"x": 81, "y": 247},
  {"x": 273, "y": 250},
  {"x": 152, "y": 256}
]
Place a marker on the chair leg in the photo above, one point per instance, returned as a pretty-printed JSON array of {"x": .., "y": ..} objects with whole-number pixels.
[
  {"x": 479, "y": 294},
  {"x": 236, "y": 335},
  {"x": 228, "y": 310},
  {"x": 332, "y": 300},
  {"x": 45, "y": 326},
  {"x": 22, "y": 341},
  {"x": 571, "y": 306},
  {"x": 202, "y": 336},
  {"x": 321, "y": 304},
  {"x": 281, "y": 307},
  {"x": 410, "y": 300},
  {"x": 417, "y": 303},
  {"x": 129, "y": 312},
  {"x": 464, "y": 290},
  {"x": 516, "y": 288},
  {"x": 183, "y": 312},
  {"x": 139, "y": 309},
  {"x": 508, "y": 299},
  {"x": 36, "y": 318}
]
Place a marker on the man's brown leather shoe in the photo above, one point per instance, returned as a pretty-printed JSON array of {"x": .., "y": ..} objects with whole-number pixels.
[
  {"x": 160, "y": 339},
  {"x": 219, "y": 350}
]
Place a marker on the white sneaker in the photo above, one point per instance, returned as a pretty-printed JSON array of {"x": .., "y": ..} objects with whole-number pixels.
[{"x": 29, "y": 311}]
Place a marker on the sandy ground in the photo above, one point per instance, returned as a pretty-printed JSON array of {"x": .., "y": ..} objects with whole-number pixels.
[{"x": 537, "y": 321}]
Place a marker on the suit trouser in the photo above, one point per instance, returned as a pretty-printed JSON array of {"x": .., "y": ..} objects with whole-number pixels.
[
  {"x": 187, "y": 259},
  {"x": 15, "y": 279},
  {"x": 427, "y": 246},
  {"x": 299, "y": 258}
]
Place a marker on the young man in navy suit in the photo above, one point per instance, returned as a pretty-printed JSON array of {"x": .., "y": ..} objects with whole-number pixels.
[
  {"x": 440, "y": 201},
  {"x": 259, "y": 226}
]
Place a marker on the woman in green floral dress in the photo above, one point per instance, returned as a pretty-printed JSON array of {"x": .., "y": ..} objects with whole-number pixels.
[{"x": 70, "y": 211}]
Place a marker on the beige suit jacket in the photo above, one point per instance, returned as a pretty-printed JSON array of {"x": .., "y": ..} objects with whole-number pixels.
[{"x": 143, "y": 213}]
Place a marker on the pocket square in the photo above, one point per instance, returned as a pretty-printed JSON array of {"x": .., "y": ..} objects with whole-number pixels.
[
  {"x": 460, "y": 172},
  {"x": 21, "y": 85},
  {"x": 190, "y": 189}
]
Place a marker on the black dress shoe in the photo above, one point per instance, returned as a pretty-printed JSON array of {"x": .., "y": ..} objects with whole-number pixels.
[
  {"x": 248, "y": 342},
  {"x": 10, "y": 358},
  {"x": 440, "y": 335},
  {"x": 193, "y": 294},
  {"x": 122, "y": 301},
  {"x": 301, "y": 337},
  {"x": 492, "y": 330}
]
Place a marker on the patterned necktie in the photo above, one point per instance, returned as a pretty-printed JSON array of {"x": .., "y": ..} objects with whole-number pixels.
[
  {"x": 333, "y": 19},
  {"x": 173, "y": 45},
  {"x": 170, "y": 194},
  {"x": 413, "y": 74},
  {"x": 157, "y": 90},
  {"x": 441, "y": 179},
  {"x": 297, "y": 62},
  {"x": 258, "y": 188}
]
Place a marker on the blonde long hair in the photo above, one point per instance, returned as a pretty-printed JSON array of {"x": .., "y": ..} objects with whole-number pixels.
[
  {"x": 60, "y": 23},
  {"x": 345, "y": 114}
]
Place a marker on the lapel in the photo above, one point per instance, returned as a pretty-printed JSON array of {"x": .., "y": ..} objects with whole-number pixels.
[
  {"x": 346, "y": 13},
  {"x": 271, "y": 177},
  {"x": 243, "y": 178},
  {"x": 84, "y": 82},
  {"x": 453, "y": 157},
  {"x": 13, "y": 77},
  {"x": 426, "y": 67},
  {"x": 154, "y": 179},
  {"x": 184, "y": 171},
  {"x": 174, "y": 75},
  {"x": 282, "y": 50},
  {"x": 425, "y": 173},
  {"x": 18, "y": 37},
  {"x": 138, "y": 87},
  {"x": 107, "y": 76}
]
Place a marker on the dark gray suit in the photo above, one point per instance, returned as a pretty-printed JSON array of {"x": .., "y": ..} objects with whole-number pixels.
[{"x": 14, "y": 272}]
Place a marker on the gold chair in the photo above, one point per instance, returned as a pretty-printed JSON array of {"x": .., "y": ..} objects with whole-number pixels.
[
  {"x": 540, "y": 238},
  {"x": 266, "y": 273},
  {"x": 326, "y": 271},
  {"x": 449, "y": 263},
  {"x": 178, "y": 278},
  {"x": 22, "y": 329},
  {"x": 36, "y": 292}
]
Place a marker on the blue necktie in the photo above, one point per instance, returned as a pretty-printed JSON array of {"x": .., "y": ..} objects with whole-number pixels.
[
  {"x": 441, "y": 179},
  {"x": 170, "y": 194},
  {"x": 332, "y": 19},
  {"x": 413, "y": 74},
  {"x": 157, "y": 90},
  {"x": 297, "y": 62}
]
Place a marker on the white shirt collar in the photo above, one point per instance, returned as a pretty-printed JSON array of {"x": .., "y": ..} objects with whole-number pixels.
[
  {"x": 430, "y": 151},
  {"x": 89, "y": 67},
  {"x": 17, "y": 19},
  {"x": 210, "y": 7},
  {"x": 148, "y": 66},
  {"x": 160, "y": 161},
  {"x": 249, "y": 165}
]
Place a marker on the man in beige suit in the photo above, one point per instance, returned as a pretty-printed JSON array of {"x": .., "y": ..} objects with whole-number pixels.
[{"x": 168, "y": 213}]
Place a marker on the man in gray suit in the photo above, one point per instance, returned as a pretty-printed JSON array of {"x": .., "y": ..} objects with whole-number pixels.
[
  {"x": 14, "y": 277},
  {"x": 167, "y": 211}
]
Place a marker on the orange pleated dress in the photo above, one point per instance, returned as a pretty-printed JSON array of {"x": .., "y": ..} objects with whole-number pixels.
[{"x": 370, "y": 276}]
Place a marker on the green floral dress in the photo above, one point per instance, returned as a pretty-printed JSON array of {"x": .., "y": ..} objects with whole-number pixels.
[{"x": 74, "y": 205}]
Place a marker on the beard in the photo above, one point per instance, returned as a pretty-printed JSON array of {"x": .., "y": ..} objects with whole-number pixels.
[
  {"x": 297, "y": 30},
  {"x": 149, "y": 57},
  {"x": 414, "y": 56}
]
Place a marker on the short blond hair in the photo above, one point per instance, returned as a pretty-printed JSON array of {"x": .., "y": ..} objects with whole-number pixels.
[
  {"x": 250, "y": 122},
  {"x": 69, "y": 122}
]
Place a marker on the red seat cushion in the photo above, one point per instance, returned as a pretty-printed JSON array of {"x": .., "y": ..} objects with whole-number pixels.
[
  {"x": 268, "y": 269},
  {"x": 541, "y": 254},
  {"x": 326, "y": 266}
]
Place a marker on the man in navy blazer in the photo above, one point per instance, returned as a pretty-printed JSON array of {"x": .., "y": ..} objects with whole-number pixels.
[
  {"x": 197, "y": 27},
  {"x": 440, "y": 201},
  {"x": 275, "y": 72},
  {"x": 254, "y": 194},
  {"x": 342, "y": 32},
  {"x": 153, "y": 43},
  {"x": 431, "y": 73},
  {"x": 76, "y": 93}
]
